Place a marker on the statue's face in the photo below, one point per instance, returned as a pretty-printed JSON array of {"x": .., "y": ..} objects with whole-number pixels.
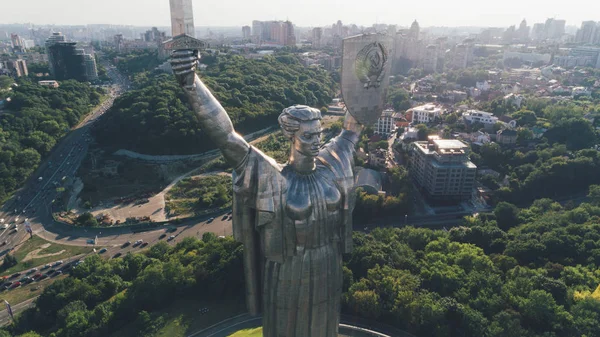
[{"x": 307, "y": 139}]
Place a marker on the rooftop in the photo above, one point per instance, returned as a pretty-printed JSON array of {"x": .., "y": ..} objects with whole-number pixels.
[{"x": 449, "y": 144}]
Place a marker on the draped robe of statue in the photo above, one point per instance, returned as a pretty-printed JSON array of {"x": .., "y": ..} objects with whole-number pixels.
[{"x": 295, "y": 228}]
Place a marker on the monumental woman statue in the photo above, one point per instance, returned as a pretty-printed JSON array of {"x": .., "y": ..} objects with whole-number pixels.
[{"x": 294, "y": 219}]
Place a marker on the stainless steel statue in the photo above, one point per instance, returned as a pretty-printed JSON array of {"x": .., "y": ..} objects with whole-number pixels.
[{"x": 295, "y": 219}]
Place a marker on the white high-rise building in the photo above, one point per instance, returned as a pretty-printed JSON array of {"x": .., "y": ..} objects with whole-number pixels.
[{"x": 182, "y": 18}]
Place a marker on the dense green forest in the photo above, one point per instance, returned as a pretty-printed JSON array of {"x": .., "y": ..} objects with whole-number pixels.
[
  {"x": 33, "y": 121},
  {"x": 156, "y": 118},
  {"x": 512, "y": 273},
  {"x": 559, "y": 164},
  {"x": 102, "y": 296},
  {"x": 521, "y": 273}
]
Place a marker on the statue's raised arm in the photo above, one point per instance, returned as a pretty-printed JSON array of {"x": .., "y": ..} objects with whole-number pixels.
[{"x": 213, "y": 118}]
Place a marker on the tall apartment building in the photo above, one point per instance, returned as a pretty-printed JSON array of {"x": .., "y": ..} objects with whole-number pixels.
[
  {"x": 67, "y": 62},
  {"x": 463, "y": 53},
  {"x": 16, "y": 67},
  {"x": 246, "y": 32},
  {"x": 588, "y": 33},
  {"x": 53, "y": 39},
  {"x": 317, "y": 37},
  {"x": 91, "y": 69},
  {"x": 276, "y": 32},
  {"x": 430, "y": 59},
  {"x": 385, "y": 124},
  {"x": 441, "y": 167},
  {"x": 554, "y": 29}
]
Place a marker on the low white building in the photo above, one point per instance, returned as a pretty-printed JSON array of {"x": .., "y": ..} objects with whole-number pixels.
[
  {"x": 514, "y": 99},
  {"x": 483, "y": 86},
  {"x": 426, "y": 113},
  {"x": 581, "y": 91},
  {"x": 476, "y": 116}
]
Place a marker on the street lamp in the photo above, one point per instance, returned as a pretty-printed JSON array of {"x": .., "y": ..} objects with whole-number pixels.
[{"x": 405, "y": 219}]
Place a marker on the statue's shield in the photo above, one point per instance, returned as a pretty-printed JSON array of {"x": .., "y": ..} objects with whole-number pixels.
[{"x": 365, "y": 75}]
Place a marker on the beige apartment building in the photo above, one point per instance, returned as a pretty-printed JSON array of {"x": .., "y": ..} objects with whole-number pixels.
[{"x": 441, "y": 167}]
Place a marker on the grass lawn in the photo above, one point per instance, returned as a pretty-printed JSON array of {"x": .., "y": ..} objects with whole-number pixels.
[
  {"x": 35, "y": 243},
  {"x": 15, "y": 296},
  {"x": 256, "y": 332},
  {"x": 183, "y": 317}
]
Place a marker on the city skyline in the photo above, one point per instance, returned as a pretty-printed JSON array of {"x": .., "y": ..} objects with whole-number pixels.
[{"x": 311, "y": 13}]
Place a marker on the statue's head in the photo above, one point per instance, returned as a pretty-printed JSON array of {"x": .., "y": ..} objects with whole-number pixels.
[{"x": 302, "y": 125}]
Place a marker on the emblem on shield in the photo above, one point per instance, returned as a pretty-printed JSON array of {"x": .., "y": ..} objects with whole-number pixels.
[
  {"x": 370, "y": 63},
  {"x": 365, "y": 74}
]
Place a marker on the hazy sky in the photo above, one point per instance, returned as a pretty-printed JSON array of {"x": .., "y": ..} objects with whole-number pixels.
[{"x": 302, "y": 12}]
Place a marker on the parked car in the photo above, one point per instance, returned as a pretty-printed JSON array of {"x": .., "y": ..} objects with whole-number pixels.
[
  {"x": 143, "y": 244},
  {"x": 44, "y": 276},
  {"x": 162, "y": 236},
  {"x": 126, "y": 244},
  {"x": 137, "y": 243},
  {"x": 58, "y": 263},
  {"x": 91, "y": 241},
  {"x": 46, "y": 267},
  {"x": 31, "y": 271},
  {"x": 15, "y": 285},
  {"x": 117, "y": 255},
  {"x": 103, "y": 250},
  {"x": 171, "y": 238},
  {"x": 172, "y": 229},
  {"x": 210, "y": 220},
  {"x": 37, "y": 276},
  {"x": 15, "y": 275}
]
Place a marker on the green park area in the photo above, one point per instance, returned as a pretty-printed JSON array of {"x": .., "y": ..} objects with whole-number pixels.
[
  {"x": 36, "y": 251},
  {"x": 197, "y": 194}
]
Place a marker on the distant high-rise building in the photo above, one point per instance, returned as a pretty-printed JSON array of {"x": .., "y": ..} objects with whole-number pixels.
[
  {"x": 91, "y": 71},
  {"x": 523, "y": 32},
  {"x": 317, "y": 37},
  {"x": 246, "y": 32},
  {"x": 414, "y": 30},
  {"x": 554, "y": 29},
  {"x": 537, "y": 33},
  {"x": 430, "y": 59},
  {"x": 53, "y": 39},
  {"x": 67, "y": 61},
  {"x": 17, "y": 67},
  {"x": 154, "y": 35},
  {"x": 588, "y": 33},
  {"x": 462, "y": 53},
  {"x": 276, "y": 32},
  {"x": 257, "y": 31},
  {"x": 118, "y": 40},
  {"x": 17, "y": 43},
  {"x": 182, "y": 17}
]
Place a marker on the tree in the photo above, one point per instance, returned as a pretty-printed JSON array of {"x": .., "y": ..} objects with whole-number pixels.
[
  {"x": 9, "y": 261},
  {"x": 507, "y": 215},
  {"x": 5, "y": 82},
  {"x": 87, "y": 219},
  {"x": 594, "y": 194}
]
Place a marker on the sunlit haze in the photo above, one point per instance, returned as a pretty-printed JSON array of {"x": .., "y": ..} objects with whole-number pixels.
[{"x": 301, "y": 13}]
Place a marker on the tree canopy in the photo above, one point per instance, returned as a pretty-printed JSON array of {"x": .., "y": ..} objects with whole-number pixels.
[{"x": 33, "y": 121}]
